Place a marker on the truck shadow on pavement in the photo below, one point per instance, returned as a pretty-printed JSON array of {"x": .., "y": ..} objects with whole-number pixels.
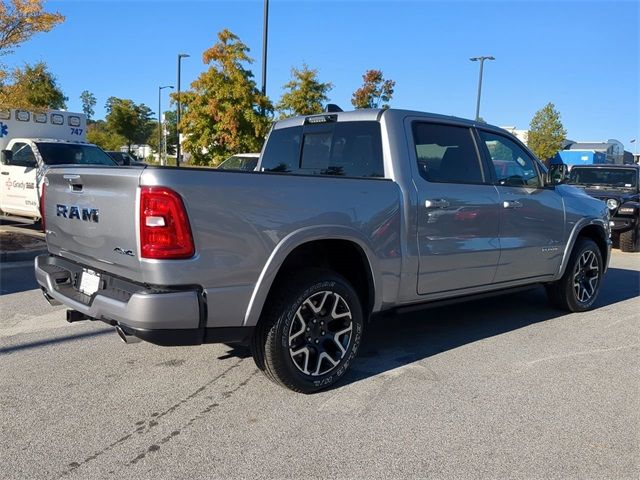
[
  {"x": 55, "y": 340},
  {"x": 397, "y": 340}
]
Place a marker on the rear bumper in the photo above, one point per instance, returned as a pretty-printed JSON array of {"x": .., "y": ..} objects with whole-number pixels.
[{"x": 174, "y": 316}]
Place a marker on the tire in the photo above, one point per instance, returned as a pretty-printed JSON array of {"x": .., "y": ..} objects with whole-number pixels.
[
  {"x": 615, "y": 240},
  {"x": 579, "y": 286},
  {"x": 630, "y": 240},
  {"x": 310, "y": 331}
]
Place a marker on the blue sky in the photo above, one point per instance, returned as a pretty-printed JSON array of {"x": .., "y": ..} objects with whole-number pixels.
[{"x": 582, "y": 56}]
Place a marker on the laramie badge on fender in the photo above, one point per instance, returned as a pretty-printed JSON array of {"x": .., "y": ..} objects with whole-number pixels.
[
  {"x": 123, "y": 251},
  {"x": 73, "y": 212}
]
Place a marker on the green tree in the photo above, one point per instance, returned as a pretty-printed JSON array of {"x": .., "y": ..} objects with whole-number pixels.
[
  {"x": 36, "y": 88},
  {"x": 98, "y": 132},
  {"x": 88, "y": 102},
  {"x": 130, "y": 120},
  {"x": 305, "y": 94},
  {"x": 224, "y": 110},
  {"x": 375, "y": 92},
  {"x": 546, "y": 133}
]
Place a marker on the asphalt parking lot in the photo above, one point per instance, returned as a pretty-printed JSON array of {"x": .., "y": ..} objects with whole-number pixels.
[{"x": 499, "y": 388}]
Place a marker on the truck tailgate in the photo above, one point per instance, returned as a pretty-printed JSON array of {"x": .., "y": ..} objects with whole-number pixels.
[{"x": 90, "y": 216}]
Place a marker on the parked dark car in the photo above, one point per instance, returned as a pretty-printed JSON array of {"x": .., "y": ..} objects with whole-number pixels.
[
  {"x": 619, "y": 187},
  {"x": 126, "y": 159}
]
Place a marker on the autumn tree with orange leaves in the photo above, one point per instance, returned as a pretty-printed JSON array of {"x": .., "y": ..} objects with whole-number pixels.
[
  {"x": 19, "y": 21},
  {"x": 375, "y": 92},
  {"x": 224, "y": 112}
]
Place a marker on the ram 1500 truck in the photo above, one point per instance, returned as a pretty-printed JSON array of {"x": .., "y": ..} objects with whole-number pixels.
[{"x": 350, "y": 214}]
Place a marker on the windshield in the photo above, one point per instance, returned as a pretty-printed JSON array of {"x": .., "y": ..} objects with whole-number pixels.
[
  {"x": 605, "y": 177},
  {"x": 239, "y": 162},
  {"x": 73, "y": 154}
]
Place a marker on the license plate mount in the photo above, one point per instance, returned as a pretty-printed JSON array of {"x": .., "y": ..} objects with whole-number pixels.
[{"x": 89, "y": 282}]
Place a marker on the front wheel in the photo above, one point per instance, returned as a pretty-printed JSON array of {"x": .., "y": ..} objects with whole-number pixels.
[
  {"x": 578, "y": 288},
  {"x": 630, "y": 240},
  {"x": 310, "y": 332}
]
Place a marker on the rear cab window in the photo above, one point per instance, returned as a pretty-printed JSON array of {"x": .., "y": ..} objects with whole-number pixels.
[{"x": 345, "y": 149}]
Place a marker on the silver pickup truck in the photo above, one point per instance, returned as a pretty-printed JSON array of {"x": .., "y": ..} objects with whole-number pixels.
[{"x": 350, "y": 214}]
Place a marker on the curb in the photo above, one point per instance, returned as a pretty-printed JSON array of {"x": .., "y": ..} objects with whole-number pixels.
[{"x": 21, "y": 255}]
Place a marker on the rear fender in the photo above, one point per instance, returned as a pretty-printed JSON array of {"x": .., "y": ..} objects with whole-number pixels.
[{"x": 290, "y": 243}]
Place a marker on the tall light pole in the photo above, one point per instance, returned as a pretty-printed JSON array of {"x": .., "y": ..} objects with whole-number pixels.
[
  {"x": 160, "y": 121},
  {"x": 481, "y": 60},
  {"x": 180, "y": 57},
  {"x": 265, "y": 34}
]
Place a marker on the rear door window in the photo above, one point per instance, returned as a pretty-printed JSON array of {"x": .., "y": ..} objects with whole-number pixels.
[
  {"x": 446, "y": 154},
  {"x": 349, "y": 149}
]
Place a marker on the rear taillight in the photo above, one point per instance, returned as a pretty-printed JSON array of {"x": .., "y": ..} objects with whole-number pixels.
[
  {"x": 42, "y": 195},
  {"x": 164, "y": 225}
]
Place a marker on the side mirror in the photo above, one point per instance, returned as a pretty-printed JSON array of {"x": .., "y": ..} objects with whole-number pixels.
[
  {"x": 6, "y": 156},
  {"x": 557, "y": 173}
]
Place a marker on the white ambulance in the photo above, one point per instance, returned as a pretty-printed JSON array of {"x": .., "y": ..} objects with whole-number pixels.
[{"x": 32, "y": 141}]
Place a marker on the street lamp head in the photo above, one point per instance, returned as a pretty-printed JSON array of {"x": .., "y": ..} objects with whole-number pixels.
[
  {"x": 166, "y": 86},
  {"x": 183, "y": 55},
  {"x": 475, "y": 59}
]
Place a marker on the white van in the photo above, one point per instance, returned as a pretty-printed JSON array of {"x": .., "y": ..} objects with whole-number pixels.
[{"x": 29, "y": 143}]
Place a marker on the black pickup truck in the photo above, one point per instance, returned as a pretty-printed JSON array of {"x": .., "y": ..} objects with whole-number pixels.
[{"x": 619, "y": 187}]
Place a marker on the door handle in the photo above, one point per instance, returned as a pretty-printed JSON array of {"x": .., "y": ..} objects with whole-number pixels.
[
  {"x": 437, "y": 203},
  {"x": 5, "y": 173},
  {"x": 512, "y": 204}
]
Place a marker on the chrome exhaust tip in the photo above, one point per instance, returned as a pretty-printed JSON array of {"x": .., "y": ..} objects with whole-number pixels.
[
  {"x": 126, "y": 337},
  {"x": 52, "y": 301}
]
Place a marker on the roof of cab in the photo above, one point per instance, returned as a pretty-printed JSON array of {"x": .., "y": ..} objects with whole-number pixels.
[{"x": 375, "y": 114}]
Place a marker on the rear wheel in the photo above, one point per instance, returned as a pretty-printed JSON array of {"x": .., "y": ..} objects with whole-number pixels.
[
  {"x": 630, "y": 240},
  {"x": 310, "y": 332},
  {"x": 578, "y": 288}
]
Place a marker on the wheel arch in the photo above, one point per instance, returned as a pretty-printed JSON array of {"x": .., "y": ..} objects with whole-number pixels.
[
  {"x": 594, "y": 229},
  {"x": 295, "y": 246}
]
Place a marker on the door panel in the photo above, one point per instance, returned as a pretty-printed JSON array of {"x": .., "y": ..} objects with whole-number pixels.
[
  {"x": 458, "y": 243},
  {"x": 532, "y": 216},
  {"x": 458, "y": 213},
  {"x": 531, "y": 233},
  {"x": 19, "y": 192}
]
